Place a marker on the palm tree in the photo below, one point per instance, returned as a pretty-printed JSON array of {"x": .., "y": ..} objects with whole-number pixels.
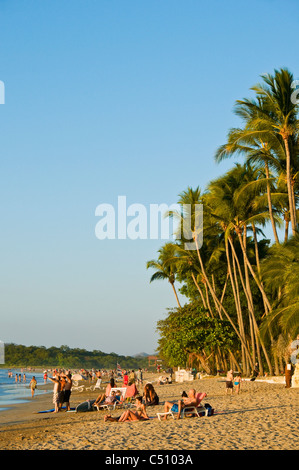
[
  {"x": 165, "y": 269},
  {"x": 273, "y": 116},
  {"x": 281, "y": 273}
]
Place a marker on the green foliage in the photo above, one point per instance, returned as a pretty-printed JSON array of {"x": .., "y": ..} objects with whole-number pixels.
[
  {"x": 65, "y": 357},
  {"x": 189, "y": 330}
]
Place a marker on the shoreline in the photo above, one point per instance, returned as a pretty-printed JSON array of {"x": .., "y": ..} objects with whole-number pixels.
[{"x": 259, "y": 418}]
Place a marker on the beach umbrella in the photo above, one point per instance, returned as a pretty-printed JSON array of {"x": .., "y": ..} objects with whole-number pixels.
[{"x": 77, "y": 377}]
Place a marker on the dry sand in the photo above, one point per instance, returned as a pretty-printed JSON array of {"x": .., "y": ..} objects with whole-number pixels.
[{"x": 264, "y": 416}]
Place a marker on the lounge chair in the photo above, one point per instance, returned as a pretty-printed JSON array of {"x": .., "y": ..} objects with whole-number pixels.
[
  {"x": 189, "y": 409},
  {"x": 94, "y": 387},
  {"x": 198, "y": 408},
  {"x": 77, "y": 387},
  {"x": 112, "y": 406}
]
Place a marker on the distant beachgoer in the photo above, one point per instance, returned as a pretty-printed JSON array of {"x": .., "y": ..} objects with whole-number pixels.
[
  {"x": 131, "y": 378},
  {"x": 33, "y": 385},
  {"x": 45, "y": 376},
  {"x": 255, "y": 372},
  {"x": 129, "y": 415},
  {"x": 229, "y": 381},
  {"x": 288, "y": 375},
  {"x": 126, "y": 379},
  {"x": 237, "y": 383},
  {"x": 24, "y": 377}
]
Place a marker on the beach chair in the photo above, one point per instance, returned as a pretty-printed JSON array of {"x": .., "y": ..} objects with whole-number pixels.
[
  {"x": 94, "y": 387},
  {"x": 199, "y": 408},
  {"x": 117, "y": 403},
  {"x": 77, "y": 387},
  {"x": 188, "y": 409}
]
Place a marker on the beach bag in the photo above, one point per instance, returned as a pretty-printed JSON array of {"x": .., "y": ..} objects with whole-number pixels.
[{"x": 209, "y": 408}]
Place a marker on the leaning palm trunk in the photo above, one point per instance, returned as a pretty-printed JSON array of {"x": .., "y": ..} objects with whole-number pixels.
[
  {"x": 252, "y": 271},
  {"x": 243, "y": 342},
  {"x": 175, "y": 293},
  {"x": 289, "y": 185},
  {"x": 270, "y": 204},
  {"x": 238, "y": 303},
  {"x": 251, "y": 310},
  {"x": 199, "y": 290}
]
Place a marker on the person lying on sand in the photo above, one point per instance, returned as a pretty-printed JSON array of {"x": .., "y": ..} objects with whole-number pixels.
[
  {"x": 177, "y": 407},
  {"x": 129, "y": 415}
]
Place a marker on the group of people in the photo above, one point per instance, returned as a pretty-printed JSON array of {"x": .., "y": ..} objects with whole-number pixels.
[
  {"x": 233, "y": 381},
  {"x": 150, "y": 398},
  {"x": 62, "y": 390}
]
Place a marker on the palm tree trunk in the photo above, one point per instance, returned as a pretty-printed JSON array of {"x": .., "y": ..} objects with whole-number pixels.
[
  {"x": 289, "y": 185},
  {"x": 216, "y": 300},
  {"x": 270, "y": 204},
  {"x": 199, "y": 290},
  {"x": 175, "y": 293},
  {"x": 247, "y": 291},
  {"x": 286, "y": 228},
  {"x": 252, "y": 271}
]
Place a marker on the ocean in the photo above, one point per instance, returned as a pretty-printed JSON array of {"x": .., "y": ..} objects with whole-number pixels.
[{"x": 12, "y": 392}]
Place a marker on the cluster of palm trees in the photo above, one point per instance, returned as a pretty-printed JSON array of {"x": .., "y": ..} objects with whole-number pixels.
[{"x": 237, "y": 274}]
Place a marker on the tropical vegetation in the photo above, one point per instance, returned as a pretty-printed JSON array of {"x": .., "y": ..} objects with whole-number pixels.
[
  {"x": 242, "y": 288},
  {"x": 18, "y": 355}
]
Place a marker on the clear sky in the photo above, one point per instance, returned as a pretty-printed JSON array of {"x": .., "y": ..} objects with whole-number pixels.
[{"x": 105, "y": 98}]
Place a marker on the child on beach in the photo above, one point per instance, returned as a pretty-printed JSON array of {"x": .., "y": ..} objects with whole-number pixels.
[{"x": 237, "y": 383}]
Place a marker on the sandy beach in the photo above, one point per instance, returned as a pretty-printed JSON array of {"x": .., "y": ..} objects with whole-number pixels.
[{"x": 264, "y": 416}]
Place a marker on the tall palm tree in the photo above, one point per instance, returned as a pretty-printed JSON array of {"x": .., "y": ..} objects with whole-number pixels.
[{"x": 273, "y": 115}]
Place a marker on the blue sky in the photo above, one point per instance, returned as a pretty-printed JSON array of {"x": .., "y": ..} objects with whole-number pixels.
[{"x": 107, "y": 98}]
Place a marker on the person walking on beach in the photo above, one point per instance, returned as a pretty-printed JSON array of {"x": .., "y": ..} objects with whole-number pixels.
[
  {"x": 33, "y": 384},
  {"x": 229, "y": 381}
]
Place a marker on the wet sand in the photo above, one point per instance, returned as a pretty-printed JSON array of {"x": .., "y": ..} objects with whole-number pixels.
[{"x": 264, "y": 416}]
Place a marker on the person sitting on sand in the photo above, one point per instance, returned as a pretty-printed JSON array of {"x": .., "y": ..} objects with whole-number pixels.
[
  {"x": 129, "y": 415},
  {"x": 191, "y": 400},
  {"x": 150, "y": 396}
]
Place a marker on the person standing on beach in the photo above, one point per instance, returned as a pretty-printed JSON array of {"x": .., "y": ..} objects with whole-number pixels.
[
  {"x": 237, "y": 383},
  {"x": 56, "y": 390},
  {"x": 229, "y": 381},
  {"x": 288, "y": 375},
  {"x": 33, "y": 384},
  {"x": 67, "y": 390}
]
